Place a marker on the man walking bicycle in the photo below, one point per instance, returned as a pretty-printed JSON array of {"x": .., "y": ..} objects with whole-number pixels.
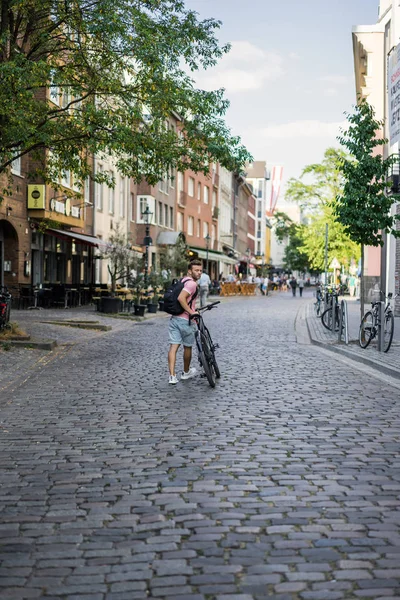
[{"x": 180, "y": 330}]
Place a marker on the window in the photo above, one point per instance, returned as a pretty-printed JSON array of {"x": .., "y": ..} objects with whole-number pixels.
[
  {"x": 213, "y": 235},
  {"x": 190, "y": 225},
  {"x": 179, "y": 221},
  {"x": 132, "y": 207},
  {"x": 171, "y": 178},
  {"x": 66, "y": 179},
  {"x": 180, "y": 182},
  {"x": 199, "y": 191},
  {"x": 99, "y": 191},
  {"x": 122, "y": 197},
  {"x": 214, "y": 199},
  {"x": 260, "y": 188},
  {"x": 191, "y": 187},
  {"x": 171, "y": 217},
  {"x": 87, "y": 189},
  {"x": 160, "y": 214},
  {"x": 205, "y": 229},
  {"x": 111, "y": 201},
  {"x": 143, "y": 205},
  {"x": 198, "y": 228},
  {"x": 165, "y": 215},
  {"x": 54, "y": 89},
  {"x": 16, "y": 166},
  {"x": 206, "y": 193}
]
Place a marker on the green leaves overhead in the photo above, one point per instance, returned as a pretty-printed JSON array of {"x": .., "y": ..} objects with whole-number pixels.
[{"x": 104, "y": 76}]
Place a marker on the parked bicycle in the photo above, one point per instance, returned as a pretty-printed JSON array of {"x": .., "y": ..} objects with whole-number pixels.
[
  {"x": 329, "y": 315},
  {"x": 370, "y": 323},
  {"x": 318, "y": 302},
  {"x": 206, "y": 347},
  {"x": 5, "y": 307}
]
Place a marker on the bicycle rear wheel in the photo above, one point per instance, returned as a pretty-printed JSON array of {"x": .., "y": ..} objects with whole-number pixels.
[
  {"x": 388, "y": 331},
  {"x": 205, "y": 358},
  {"x": 366, "y": 332},
  {"x": 326, "y": 319}
]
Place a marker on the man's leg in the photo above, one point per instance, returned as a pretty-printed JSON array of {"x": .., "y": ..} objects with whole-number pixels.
[
  {"x": 173, "y": 349},
  {"x": 187, "y": 358}
]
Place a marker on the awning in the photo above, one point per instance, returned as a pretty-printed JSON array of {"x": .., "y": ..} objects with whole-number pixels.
[
  {"x": 79, "y": 237},
  {"x": 213, "y": 255},
  {"x": 169, "y": 238}
]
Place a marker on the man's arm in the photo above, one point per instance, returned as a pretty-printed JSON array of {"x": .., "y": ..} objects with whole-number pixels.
[{"x": 182, "y": 299}]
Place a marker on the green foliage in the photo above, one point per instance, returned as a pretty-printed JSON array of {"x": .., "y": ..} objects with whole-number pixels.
[
  {"x": 295, "y": 256},
  {"x": 340, "y": 246},
  {"x": 283, "y": 225},
  {"x": 175, "y": 259},
  {"x": 116, "y": 70},
  {"x": 317, "y": 198},
  {"x": 319, "y": 183},
  {"x": 121, "y": 259},
  {"x": 362, "y": 206}
]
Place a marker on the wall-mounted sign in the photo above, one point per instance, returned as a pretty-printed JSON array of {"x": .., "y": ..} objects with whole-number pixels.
[
  {"x": 36, "y": 196},
  {"x": 65, "y": 208},
  {"x": 393, "y": 87}
]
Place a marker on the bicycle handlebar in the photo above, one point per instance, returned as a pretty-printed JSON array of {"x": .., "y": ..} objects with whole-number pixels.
[{"x": 203, "y": 308}]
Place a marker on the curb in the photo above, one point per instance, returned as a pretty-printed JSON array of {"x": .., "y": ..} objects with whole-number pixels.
[
  {"x": 337, "y": 349},
  {"x": 39, "y": 345}
]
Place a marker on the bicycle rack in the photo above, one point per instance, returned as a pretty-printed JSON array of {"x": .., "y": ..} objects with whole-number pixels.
[
  {"x": 343, "y": 322},
  {"x": 334, "y": 304},
  {"x": 381, "y": 329}
]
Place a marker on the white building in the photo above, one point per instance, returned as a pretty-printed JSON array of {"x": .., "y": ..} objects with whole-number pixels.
[{"x": 257, "y": 176}]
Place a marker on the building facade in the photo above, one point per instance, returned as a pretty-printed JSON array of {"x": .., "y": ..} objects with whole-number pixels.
[{"x": 257, "y": 176}]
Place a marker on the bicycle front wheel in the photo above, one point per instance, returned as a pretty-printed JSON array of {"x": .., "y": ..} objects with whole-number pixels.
[
  {"x": 388, "y": 331},
  {"x": 205, "y": 358},
  {"x": 212, "y": 352},
  {"x": 366, "y": 332}
]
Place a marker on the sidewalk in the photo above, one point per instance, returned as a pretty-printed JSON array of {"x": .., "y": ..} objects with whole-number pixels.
[{"x": 388, "y": 363}]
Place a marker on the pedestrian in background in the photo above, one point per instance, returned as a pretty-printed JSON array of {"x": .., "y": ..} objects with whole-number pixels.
[
  {"x": 204, "y": 285},
  {"x": 352, "y": 286},
  {"x": 300, "y": 283},
  {"x": 293, "y": 285}
]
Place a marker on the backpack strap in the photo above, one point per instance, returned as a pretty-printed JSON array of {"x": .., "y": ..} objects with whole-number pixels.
[{"x": 183, "y": 280}]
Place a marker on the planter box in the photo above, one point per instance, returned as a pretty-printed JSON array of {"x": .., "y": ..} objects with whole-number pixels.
[
  {"x": 161, "y": 304},
  {"x": 139, "y": 309},
  {"x": 110, "y": 305},
  {"x": 152, "y": 308}
]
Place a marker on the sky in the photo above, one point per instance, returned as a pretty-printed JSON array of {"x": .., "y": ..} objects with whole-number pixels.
[{"x": 289, "y": 75}]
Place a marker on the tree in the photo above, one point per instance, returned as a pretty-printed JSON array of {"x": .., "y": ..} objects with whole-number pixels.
[
  {"x": 175, "y": 258},
  {"x": 115, "y": 70},
  {"x": 316, "y": 191},
  {"x": 362, "y": 206},
  {"x": 295, "y": 257},
  {"x": 122, "y": 261}
]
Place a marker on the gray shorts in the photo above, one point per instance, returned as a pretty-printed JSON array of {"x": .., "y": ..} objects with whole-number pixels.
[{"x": 181, "y": 332}]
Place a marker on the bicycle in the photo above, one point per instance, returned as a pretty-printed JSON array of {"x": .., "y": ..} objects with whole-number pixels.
[
  {"x": 205, "y": 346},
  {"x": 317, "y": 303},
  {"x": 5, "y": 307},
  {"x": 369, "y": 326},
  {"x": 327, "y": 316}
]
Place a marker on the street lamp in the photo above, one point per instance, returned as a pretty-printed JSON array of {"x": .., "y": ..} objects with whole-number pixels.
[
  {"x": 146, "y": 216},
  {"x": 207, "y": 239}
]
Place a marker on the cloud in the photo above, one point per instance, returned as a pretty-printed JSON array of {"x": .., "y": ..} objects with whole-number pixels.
[
  {"x": 336, "y": 79},
  {"x": 246, "y": 68},
  {"x": 329, "y": 92},
  {"x": 302, "y": 129}
]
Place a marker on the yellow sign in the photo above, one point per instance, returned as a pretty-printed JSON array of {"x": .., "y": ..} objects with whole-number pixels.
[{"x": 37, "y": 196}]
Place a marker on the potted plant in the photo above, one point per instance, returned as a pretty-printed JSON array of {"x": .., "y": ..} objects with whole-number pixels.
[{"x": 120, "y": 262}]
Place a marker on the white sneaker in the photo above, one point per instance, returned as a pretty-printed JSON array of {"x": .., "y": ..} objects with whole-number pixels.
[
  {"x": 173, "y": 380},
  {"x": 191, "y": 373}
]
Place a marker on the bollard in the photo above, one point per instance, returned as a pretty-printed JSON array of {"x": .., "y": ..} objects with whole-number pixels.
[
  {"x": 334, "y": 305},
  {"x": 381, "y": 326}
]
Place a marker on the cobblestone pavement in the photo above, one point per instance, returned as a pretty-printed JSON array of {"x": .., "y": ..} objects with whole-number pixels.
[{"x": 282, "y": 482}]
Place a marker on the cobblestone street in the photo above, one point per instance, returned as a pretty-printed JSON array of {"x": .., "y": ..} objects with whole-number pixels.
[{"x": 282, "y": 482}]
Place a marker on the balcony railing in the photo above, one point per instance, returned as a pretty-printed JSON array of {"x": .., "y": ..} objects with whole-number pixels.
[{"x": 215, "y": 212}]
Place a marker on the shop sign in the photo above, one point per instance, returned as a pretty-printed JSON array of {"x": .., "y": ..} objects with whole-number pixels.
[
  {"x": 36, "y": 196},
  {"x": 394, "y": 95}
]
